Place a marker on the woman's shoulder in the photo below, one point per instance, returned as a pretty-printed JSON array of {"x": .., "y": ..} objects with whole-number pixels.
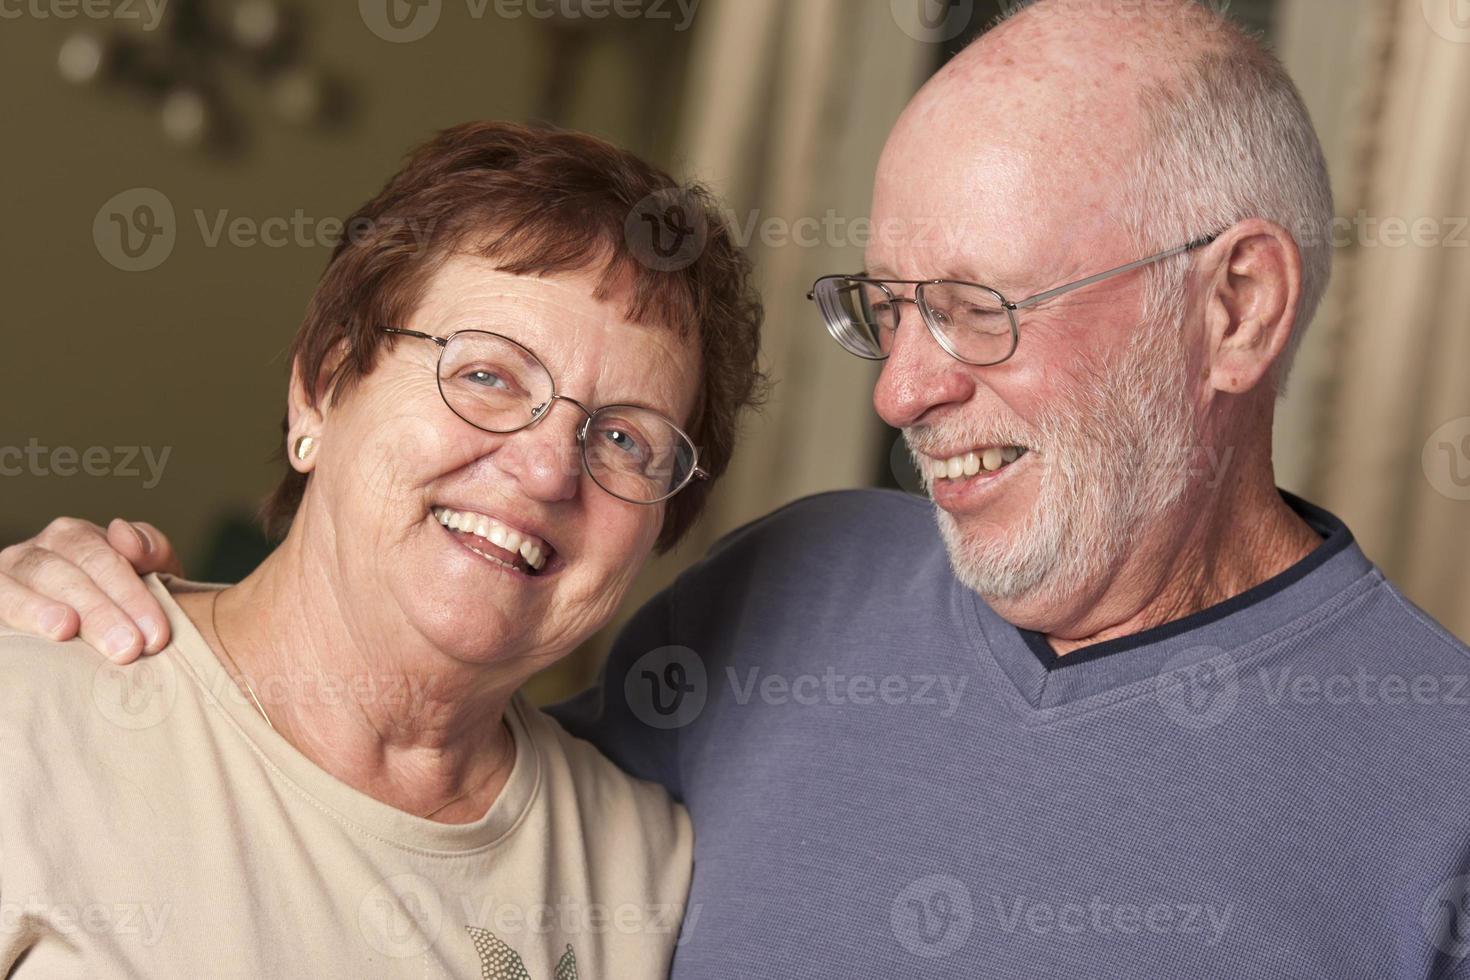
[
  {"x": 580, "y": 762},
  {"x": 31, "y": 666},
  {"x": 71, "y": 689},
  {"x": 621, "y": 807},
  {"x": 621, "y": 842}
]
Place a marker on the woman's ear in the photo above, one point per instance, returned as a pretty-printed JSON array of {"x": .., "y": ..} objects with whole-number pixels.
[
  {"x": 1251, "y": 306},
  {"x": 307, "y": 409}
]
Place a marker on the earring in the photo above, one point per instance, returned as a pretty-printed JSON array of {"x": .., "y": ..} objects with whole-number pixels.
[{"x": 304, "y": 446}]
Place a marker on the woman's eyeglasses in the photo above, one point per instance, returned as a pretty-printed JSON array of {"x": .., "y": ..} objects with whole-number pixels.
[{"x": 499, "y": 385}]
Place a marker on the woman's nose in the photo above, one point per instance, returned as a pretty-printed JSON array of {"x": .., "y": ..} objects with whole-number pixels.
[{"x": 546, "y": 458}]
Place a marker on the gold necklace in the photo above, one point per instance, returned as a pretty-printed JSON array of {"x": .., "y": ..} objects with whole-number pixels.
[
  {"x": 250, "y": 689},
  {"x": 494, "y": 769}
]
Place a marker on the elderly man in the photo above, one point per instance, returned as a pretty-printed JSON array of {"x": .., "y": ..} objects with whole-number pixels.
[{"x": 1128, "y": 710}]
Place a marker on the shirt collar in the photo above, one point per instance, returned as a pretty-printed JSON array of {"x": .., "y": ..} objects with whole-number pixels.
[{"x": 1044, "y": 679}]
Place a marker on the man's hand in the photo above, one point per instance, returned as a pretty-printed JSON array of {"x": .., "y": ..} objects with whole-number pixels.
[{"x": 74, "y": 577}]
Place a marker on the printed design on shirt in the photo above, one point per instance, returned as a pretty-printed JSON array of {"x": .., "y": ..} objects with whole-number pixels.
[{"x": 499, "y": 962}]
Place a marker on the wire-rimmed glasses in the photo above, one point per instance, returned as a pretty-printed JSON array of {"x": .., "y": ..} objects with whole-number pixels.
[
  {"x": 499, "y": 385},
  {"x": 973, "y": 322}
]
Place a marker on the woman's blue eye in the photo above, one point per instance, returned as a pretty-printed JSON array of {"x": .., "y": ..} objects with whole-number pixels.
[
  {"x": 624, "y": 442},
  {"x": 489, "y": 379}
]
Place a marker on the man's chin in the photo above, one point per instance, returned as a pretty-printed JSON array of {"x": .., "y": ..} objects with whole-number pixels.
[
  {"x": 1023, "y": 592},
  {"x": 1002, "y": 561}
]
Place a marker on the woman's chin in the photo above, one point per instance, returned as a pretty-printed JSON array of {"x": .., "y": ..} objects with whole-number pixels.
[
  {"x": 467, "y": 604},
  {"x": 482, "y": 633}
]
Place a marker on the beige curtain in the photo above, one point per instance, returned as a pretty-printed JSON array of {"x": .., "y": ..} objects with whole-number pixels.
[
  {"x": 785, "y": 111},
  {"x": 788, "y": 108},
  {"x": 1377, "y": 427}
]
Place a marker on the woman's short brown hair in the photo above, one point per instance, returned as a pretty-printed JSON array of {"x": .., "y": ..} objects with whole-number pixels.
[{"x": 541, "y": 201}]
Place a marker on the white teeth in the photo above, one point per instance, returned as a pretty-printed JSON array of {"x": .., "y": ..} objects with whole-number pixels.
[
  {"x": 971, "y": 463},
  {"x": 532, "y": 550},
  {"x": 491, "y": 557}
]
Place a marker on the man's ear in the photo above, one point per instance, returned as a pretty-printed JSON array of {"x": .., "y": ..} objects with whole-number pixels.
[
  {"x": 1251, "y": 303},
  {"x": 306, "y": 410}
]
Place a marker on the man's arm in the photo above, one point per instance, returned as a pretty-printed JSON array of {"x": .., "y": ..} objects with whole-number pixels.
[{"x": 76, "y": 579}]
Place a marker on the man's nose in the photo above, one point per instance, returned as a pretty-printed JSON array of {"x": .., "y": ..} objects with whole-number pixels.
[{"x": 919, "y": 374}]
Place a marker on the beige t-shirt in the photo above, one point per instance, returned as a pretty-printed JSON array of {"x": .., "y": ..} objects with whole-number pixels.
[{"x": 152, "y": 825}]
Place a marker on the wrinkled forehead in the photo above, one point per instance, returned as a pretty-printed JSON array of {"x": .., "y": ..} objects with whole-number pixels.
[{"x": 586, "y": 340}]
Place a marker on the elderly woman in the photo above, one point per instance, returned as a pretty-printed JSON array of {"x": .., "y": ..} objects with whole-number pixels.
[{"x": 328, "y": 772}]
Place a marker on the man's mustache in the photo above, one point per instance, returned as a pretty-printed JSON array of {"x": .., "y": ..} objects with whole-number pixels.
[{"x": 945, "y": 438}]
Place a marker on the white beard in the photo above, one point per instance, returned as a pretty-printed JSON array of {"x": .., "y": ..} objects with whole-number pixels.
[{"x": 1115, "y": 455}]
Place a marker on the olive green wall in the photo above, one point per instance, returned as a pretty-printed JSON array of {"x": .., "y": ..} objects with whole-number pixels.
[{"x": 187, "y": 358}]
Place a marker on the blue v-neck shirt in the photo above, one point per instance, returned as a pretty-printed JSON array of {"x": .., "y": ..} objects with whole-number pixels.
[{"x": 888, "y": 780}]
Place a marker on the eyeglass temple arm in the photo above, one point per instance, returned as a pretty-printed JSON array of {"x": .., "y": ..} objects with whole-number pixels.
[
  {"x": 1040, "y": 297},
  {"x": 414, "y": 333}
]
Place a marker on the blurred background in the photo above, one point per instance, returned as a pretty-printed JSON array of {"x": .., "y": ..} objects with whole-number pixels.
[{"x": 175, "y": 169}]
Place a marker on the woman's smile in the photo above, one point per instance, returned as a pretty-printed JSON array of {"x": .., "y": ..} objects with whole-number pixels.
[
  {"x": 499, "y": 543},
  {"x": 515, "y": 542}
]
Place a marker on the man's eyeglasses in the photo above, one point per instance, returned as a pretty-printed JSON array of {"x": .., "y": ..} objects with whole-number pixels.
[
  {"x": 972, "y": 322},
  {"x": 499, "y": 385}
]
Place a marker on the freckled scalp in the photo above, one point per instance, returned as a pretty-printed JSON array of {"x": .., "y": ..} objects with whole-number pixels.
[
  {"x": 1043, "y": 120},
  {"x": 1060, "y": 70}
]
